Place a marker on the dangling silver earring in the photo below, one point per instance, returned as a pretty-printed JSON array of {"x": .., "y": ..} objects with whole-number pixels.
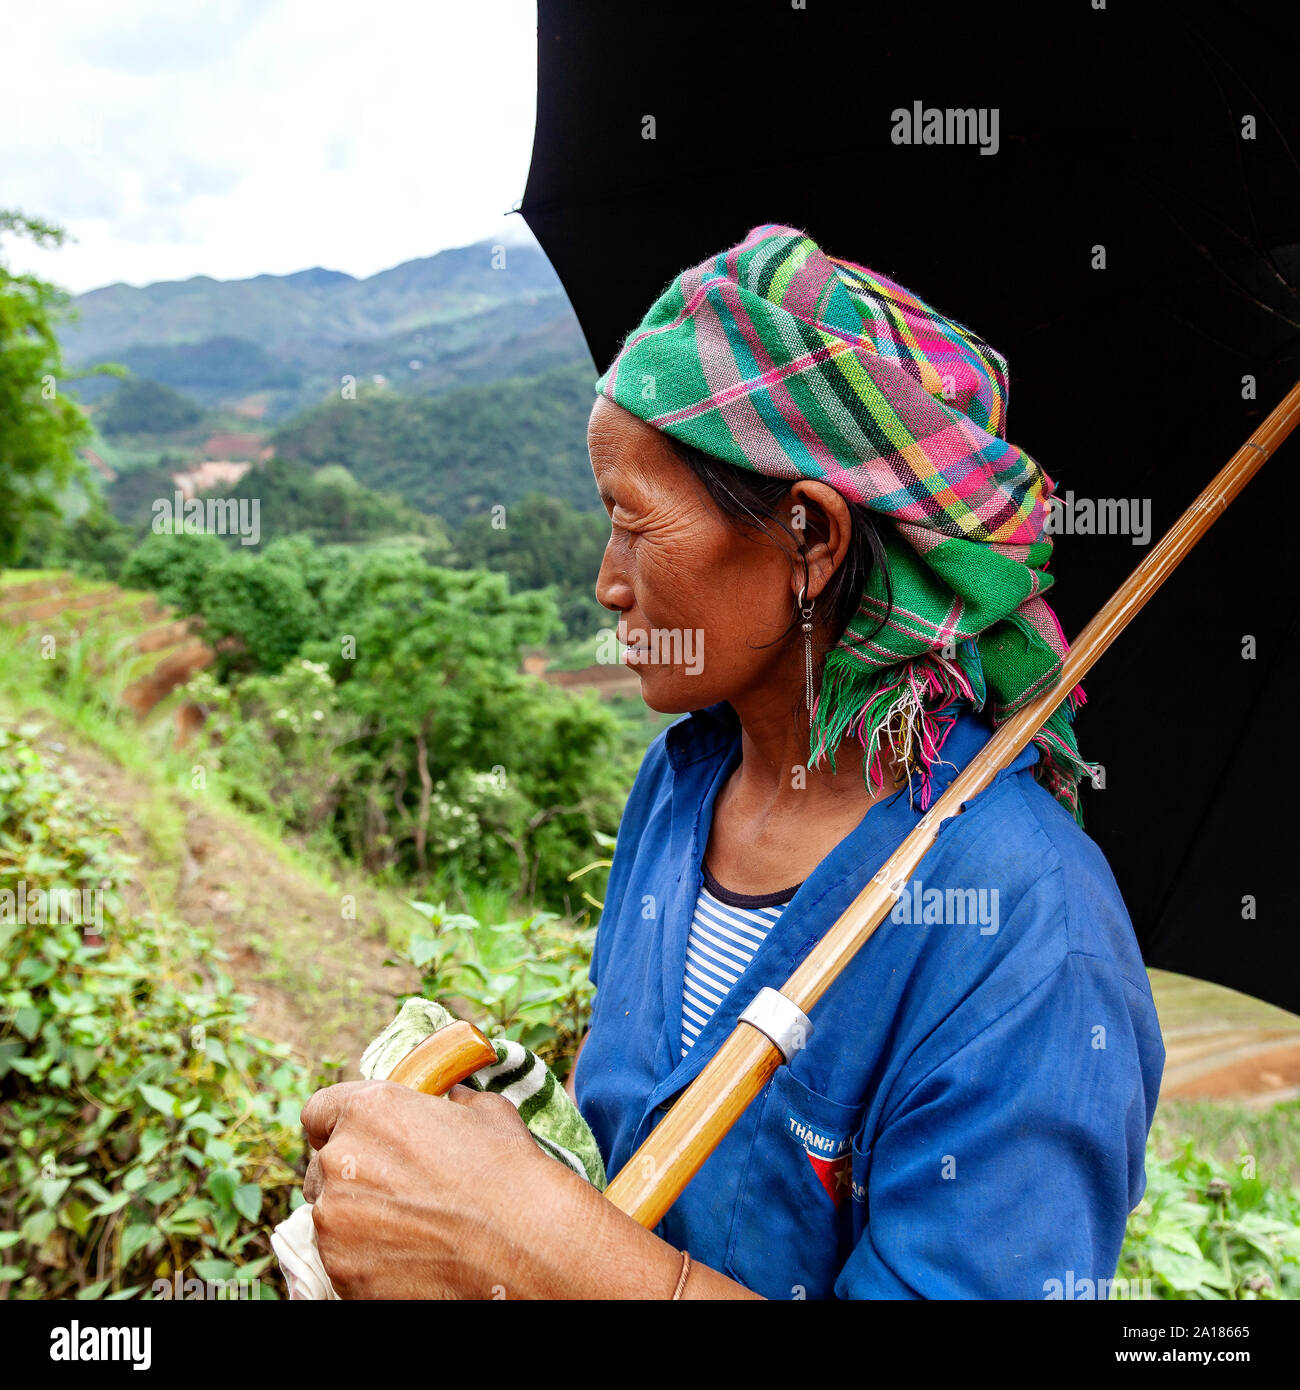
[{"x": 807, "y": 628}]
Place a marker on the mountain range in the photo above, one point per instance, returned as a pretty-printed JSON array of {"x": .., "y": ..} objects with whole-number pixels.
[{"x": 270, "y": 346}]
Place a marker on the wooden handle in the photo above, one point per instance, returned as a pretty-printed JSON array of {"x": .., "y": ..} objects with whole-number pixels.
[
  {"x": 653, "y": 1178},
  {"x": 451, "y": 1054}
]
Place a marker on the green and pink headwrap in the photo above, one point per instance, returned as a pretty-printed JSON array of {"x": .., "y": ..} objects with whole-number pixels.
[{"x": 778, "y": 358}]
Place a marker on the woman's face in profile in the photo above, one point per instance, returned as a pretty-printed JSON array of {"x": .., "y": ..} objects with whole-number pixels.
[{"x": 691, "y": 591}]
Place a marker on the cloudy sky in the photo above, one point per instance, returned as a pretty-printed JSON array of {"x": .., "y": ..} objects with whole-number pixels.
[{"x": 233, "y": 138}]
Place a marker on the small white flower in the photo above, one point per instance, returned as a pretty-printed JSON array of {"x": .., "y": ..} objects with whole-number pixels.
[{"x": 316, "y": 714}]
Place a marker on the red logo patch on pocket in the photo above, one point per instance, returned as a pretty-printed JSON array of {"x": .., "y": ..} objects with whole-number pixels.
[
  {"x": 828, "y": 1154},
  {"x": 833, "y": 1174}
]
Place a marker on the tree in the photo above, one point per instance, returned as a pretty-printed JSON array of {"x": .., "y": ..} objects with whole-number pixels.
[
  {"x": 545, "y": 543},
  {"x": 433, "y": 649},
  {"x": 41, "y": 429}
]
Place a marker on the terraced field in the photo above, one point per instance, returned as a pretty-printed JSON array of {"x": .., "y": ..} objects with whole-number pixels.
[
  {"x": 320, "y": 982},
  {"x": 1221, "y": 1045},
  {"x": 138, "y": 647}
]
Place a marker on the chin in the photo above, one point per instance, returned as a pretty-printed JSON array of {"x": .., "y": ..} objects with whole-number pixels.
[{"x": 674, "y": 696}]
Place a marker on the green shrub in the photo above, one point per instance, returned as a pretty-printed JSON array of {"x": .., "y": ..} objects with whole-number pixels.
[
  {"x": 174, "y": 565},
  {"x": 144, "y": 1131},
  {"x": 1204, "y": 1232},
  {"x": 524, "y": 979},
  {"x": 281, "y": 743}
]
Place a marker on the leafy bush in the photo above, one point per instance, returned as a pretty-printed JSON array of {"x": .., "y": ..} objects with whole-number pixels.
[
  {"x": 282, "y": 743},
  {"x": 542, "y": 542},
  {"x": 1203, "y": 1232},
  {"x": 143, "y": 1129},
  {"x": 175, "y": 566},
  {"x": 96, "y": 544},
  {"x": 524, "y": 979},
  {"x": 263, "y": 604},
  {"x": 44, "y": 429}
]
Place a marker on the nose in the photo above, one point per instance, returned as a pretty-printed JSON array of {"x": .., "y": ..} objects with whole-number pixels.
[{"x": 613, "y": 589}]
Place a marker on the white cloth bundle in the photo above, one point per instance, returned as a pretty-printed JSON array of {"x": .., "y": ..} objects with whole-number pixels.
[{"x": 294, "y": 1243}]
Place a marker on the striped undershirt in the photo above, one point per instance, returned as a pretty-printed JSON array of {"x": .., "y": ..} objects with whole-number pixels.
[{"x": 725, "y": 932}]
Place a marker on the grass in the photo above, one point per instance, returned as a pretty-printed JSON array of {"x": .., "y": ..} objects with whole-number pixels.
[
  {"x": 1231, "y": 1133},
  {"x": 13, "y": 578},
  {"x": 486, "y": 902}
]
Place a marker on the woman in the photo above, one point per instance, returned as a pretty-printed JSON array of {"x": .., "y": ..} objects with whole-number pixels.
[{"x": 809, "y": 485}]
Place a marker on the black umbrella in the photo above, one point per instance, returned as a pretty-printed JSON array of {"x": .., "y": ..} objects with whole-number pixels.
[{"x": 1131, "y": 242}]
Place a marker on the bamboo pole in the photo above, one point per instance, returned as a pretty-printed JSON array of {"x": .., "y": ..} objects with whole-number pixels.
[{"x": 653, "y": 1178}]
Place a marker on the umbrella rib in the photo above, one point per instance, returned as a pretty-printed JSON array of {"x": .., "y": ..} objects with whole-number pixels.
[{"x": 1241, "y": 167}]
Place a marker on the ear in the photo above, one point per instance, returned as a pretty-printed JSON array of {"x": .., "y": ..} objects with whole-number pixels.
[{"x": 820, "y": 518}]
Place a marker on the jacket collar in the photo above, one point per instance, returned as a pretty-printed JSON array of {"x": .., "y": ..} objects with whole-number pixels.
[{"x": 701, "y": 733}]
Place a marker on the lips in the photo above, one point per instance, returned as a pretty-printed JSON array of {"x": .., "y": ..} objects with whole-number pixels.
[{"x": 634, "y": 653}]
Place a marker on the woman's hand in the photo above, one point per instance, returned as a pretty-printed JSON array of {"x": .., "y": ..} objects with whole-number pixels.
[{"x": 421, "y": 1196}]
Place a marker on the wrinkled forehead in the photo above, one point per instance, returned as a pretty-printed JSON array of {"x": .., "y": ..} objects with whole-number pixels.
[{"x": 626, "y": 451}]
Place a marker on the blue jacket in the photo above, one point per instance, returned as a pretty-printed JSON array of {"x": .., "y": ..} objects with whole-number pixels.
[{"x": 969, "y": 1119}]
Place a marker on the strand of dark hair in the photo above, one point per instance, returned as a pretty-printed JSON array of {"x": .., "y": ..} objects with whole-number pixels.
[{"x": 750, "y": 499}]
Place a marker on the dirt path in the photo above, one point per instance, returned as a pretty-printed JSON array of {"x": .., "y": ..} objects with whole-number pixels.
[{"x": 318, "y": 978}]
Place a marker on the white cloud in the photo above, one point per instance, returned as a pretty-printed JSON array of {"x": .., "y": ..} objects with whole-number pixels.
[{"x": 233, "y": 139}]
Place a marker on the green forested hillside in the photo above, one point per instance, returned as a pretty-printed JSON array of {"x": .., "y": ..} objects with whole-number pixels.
[
  {"x": 461, "y": 454},
  {"x": 141, "y": 406},
  {"x": 212, "y": 368}
]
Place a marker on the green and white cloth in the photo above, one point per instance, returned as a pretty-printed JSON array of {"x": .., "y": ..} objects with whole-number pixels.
[{"x": 518, "y": 1074}]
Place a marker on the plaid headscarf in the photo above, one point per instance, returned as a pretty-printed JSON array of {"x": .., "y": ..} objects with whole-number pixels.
[{"x": 778, "y": 358}]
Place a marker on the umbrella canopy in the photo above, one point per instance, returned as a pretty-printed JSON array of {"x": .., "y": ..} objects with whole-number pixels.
[{"x": 1121, "y": 223}]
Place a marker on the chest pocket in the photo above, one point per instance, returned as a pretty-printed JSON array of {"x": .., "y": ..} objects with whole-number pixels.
[{"x": 795, "y": 1220}]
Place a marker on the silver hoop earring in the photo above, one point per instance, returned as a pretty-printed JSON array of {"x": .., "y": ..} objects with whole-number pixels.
[{"x": 807, "y": 627}]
